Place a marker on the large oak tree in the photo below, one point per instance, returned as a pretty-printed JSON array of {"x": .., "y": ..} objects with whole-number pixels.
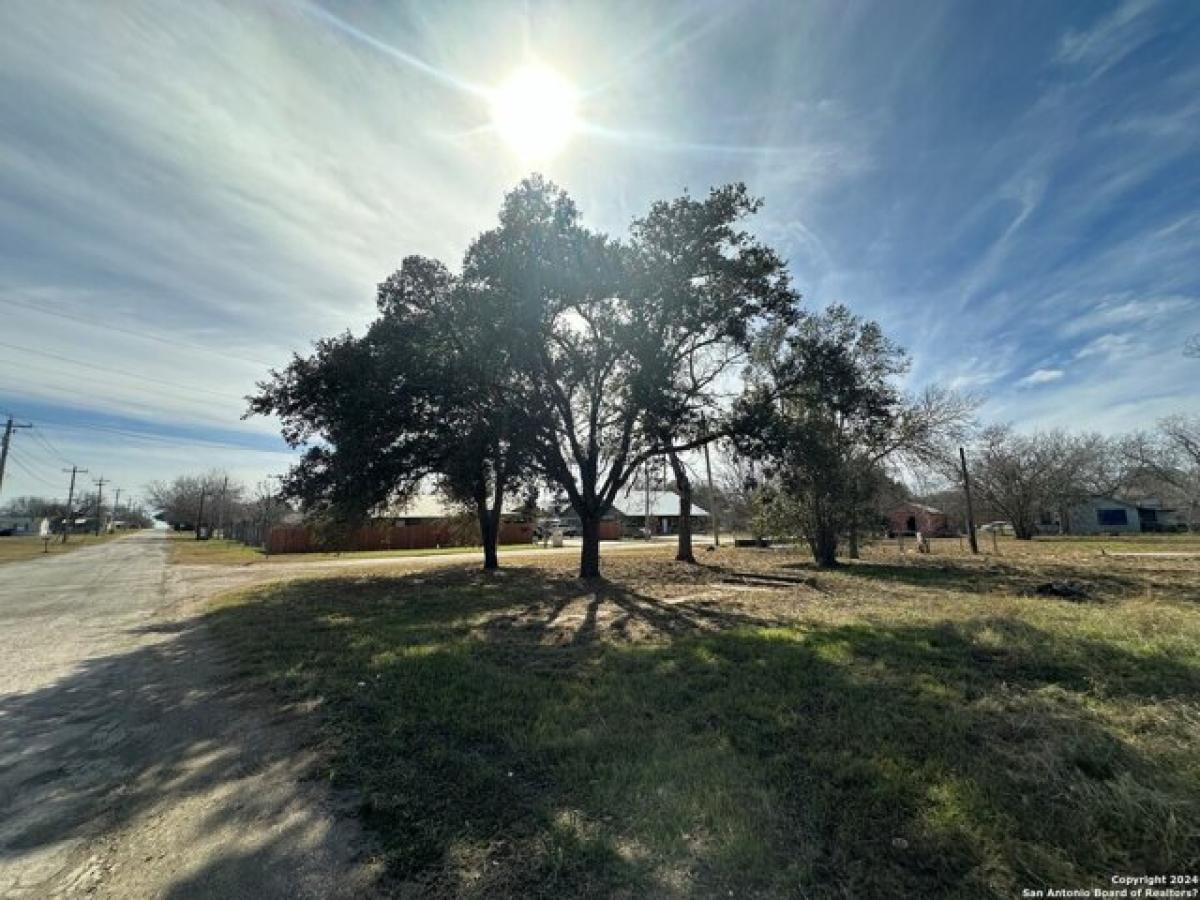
[
  {"x": 557, "y": 352},
  {"x": 621, "y": 344}
]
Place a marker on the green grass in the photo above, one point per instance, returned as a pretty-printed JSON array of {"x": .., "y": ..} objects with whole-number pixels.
[
  {"x": 20, "y": 548},
  {"x": 661, "y": 734},
  {"x": 185, "y": 549}
]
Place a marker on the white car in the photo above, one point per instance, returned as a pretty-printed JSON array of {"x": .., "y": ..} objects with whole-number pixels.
[{"x": 998, "y": 527}]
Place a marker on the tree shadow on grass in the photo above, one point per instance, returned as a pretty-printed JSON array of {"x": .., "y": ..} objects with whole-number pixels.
[{"x": 507, "y": 737}]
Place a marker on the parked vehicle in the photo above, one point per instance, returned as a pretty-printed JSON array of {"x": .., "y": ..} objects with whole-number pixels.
[{"x": 1004, "y": 528}]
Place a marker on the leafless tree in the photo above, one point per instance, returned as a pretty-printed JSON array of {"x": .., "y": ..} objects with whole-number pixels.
[
  {"x": 1023, "y": 476},
  {"x": 178, "y": 501}
]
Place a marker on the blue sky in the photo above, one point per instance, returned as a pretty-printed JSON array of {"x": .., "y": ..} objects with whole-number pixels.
[{"x": 188, "y": 192}]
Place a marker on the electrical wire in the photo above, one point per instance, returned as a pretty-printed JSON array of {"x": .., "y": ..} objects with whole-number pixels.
[
  {"x": 125, "y": 372},
  {"x": 57, "y": 377},
  {"x": 12, "y": 301},
  {"x": 157, "y": 438},
  {"x": 14, "y": 458},
  {"x": 74, "y": 393},
  {"x": 45, "y": 442}
]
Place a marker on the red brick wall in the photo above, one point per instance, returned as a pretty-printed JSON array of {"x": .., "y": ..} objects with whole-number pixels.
[
  {"x": 927, "y": 523},
  {"x": 302, "y": 539}
]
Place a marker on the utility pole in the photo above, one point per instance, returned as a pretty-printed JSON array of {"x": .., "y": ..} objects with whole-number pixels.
[
  {"x": 9, "y": 428},
  {"x": 221, "y": 508},
  {"x": 70, "y": 520},
  {"x": 200, "y": 513},
  {"x": 962, "y": 458},
  {"x": 649, "y": 533},
  {"x": 100, "y": 483},
  {"x": 712, "y": 494},
  {"x": 116, "y": 503},
  {"x": 268, "y": 498}
]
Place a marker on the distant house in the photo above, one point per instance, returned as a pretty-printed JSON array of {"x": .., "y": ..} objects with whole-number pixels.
[
  {"x": 910, "y": 517},
  {"x": 664, "y": 512},
  {"x": 1154, "y": 516},
  {"x": 1102, "y": 515},
  {"x": 429, "y": 509},
  {"x": 12, "y": 525}
]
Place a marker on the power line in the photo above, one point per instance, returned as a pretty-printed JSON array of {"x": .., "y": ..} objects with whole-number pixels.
[
  {"x": 150, "y": 436},
  {"x": 125, "y": 372},
  {"x": 33, "y": 460},
  {"x": 12, "y": 301},
  {"x": 71, "y": 391},
  {"x": 45, "y": 442},
  {"x": 139, "y": 390},
  {"x": 16, "y": 460}
]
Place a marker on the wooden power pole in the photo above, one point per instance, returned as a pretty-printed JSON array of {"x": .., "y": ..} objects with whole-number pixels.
[
  {"x": 9, "y": 428},
  {"x": 712, "y": 494},
  {"x": 221, "y": 509},
  {"x": 200, "y": 514},
  {"x": 70, "y": 520},
  {"x": 962, "y": 459},
  {"x": 100, "y": 483}
]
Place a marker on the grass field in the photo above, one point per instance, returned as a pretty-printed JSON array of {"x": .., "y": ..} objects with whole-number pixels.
[
  {"x": 16, "y": 549},
  {"x": 904, "y": 727},
  {"x": 185, "y": 549}
]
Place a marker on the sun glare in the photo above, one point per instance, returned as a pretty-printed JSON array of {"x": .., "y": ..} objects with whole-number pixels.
[{"x": 535, "y": 111}]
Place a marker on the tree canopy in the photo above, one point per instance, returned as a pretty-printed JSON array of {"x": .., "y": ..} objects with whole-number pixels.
[
  {"x": 558, "y": 353},
  {"x": 823, "y": 412}
]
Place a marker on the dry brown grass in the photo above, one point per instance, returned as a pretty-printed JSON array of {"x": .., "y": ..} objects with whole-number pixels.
[{"x": 18, "y": 549}]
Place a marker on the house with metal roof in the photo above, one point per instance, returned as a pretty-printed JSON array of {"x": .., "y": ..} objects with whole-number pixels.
[{"x": 663, "y": 509}]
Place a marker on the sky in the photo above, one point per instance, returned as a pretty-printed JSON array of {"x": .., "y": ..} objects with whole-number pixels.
[{"x": 191, "y": 192}]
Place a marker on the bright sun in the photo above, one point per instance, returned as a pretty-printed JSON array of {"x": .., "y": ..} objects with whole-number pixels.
[{"x": 535, "y": 111}]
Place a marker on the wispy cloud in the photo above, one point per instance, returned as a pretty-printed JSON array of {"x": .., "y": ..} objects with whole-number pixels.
[
  {"x": 1041, "y": 376},
  {"x": 1110, "y": 39},
  {"x": 1108, "y": 346}
]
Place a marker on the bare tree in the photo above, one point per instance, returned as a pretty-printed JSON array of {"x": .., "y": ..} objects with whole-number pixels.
[
  {"x": 1172, "y": 457},
  {"x": 178, "y": 501},
  {"x": 1023, "y": 476}
]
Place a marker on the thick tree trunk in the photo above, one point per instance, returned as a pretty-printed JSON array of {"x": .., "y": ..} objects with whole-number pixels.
[
  {"x": 823, "y": 542},
  {"x": 684, "y": 485},
  {"x": 489, "y": 531},
  {"x": 589, "y": 557},
  {"x": 852, "y": 542}
]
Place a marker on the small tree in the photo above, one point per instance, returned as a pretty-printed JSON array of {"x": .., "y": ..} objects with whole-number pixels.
[{"x": 823, "y": 412}]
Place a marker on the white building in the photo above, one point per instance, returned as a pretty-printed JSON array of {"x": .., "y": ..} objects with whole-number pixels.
[
  {"x": 1103, "y": 515},
  {"x": 664, "y": 511}
]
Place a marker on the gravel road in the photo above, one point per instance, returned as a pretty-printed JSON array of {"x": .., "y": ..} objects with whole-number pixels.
[{"x": 130, "y": 763}]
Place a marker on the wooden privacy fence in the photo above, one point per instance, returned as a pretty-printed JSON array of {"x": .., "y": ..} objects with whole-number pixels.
[
  {"x": 304, "y": 539},
  {"x": 610, "y": 531}
]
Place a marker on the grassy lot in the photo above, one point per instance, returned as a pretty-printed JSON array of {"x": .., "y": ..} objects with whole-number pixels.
[
  {"x": 16, "y": 549},
  {"x": 907, "y": 726},
  {"x": 187, "y": 550}
]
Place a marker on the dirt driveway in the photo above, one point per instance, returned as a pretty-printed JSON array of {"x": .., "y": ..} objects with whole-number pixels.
[{"x": 129, "y": 765}]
